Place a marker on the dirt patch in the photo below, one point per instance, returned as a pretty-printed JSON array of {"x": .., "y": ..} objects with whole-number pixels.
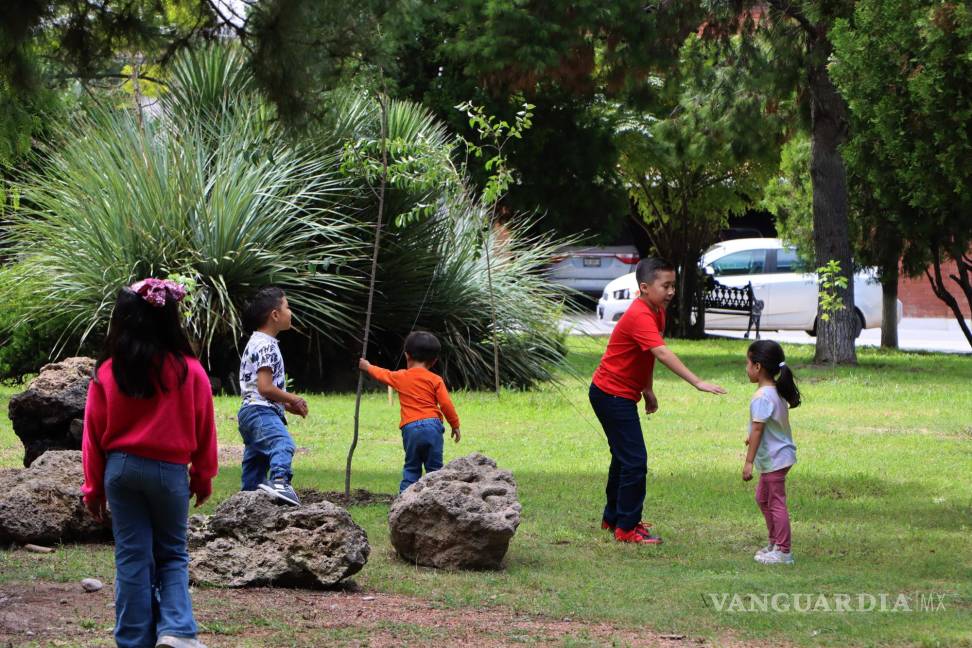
[
  {"x": 359, "y": 497},
  {"x": 62, "y": 614}
]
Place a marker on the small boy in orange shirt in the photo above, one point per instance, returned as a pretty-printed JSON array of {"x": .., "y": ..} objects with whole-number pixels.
[{"x": 424, "y": 400}]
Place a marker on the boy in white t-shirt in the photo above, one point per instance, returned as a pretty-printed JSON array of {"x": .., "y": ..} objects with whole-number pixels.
[{"x": 268, "y": 448}]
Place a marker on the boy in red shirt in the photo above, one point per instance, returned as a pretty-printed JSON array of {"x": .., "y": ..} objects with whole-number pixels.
[
  {"x": 621, "y": 379},
  {"x": 424, "y": 400}
]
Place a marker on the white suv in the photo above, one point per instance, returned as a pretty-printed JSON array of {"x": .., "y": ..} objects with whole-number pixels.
[{"x": 788, "y": 291}]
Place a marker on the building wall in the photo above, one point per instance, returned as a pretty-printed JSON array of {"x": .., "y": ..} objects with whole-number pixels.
[{"x": 919, "y": 301}]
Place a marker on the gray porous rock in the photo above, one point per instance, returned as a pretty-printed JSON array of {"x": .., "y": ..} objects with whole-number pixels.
[
  {"x": 49, "y": 414},
  {"x": 42, "y": 504},
  {"x": 462, "y": 516},
  {"x": 251, "y": 539}
]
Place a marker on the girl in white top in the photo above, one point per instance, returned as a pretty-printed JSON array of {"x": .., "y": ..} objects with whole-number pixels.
[{"x": 771, "y": 449}]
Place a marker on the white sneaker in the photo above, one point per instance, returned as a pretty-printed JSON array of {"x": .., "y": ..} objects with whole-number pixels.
[
  {"x": 168, "y": 641},
  {"x": 764, "y": 550},
  {"x": 775, "y": 557}
]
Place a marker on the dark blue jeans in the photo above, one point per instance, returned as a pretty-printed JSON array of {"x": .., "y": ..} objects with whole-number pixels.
[
  {"x": 149, "y": 502},
  {"x": 423, "y": 447},
  {"x": 267, "y": 446},
  {"x": 626, "y": 482}
]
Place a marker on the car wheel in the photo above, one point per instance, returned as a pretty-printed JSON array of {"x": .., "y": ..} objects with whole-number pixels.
[{"x": 859, "y": 325}]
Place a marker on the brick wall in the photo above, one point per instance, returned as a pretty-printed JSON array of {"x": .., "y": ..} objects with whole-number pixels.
[{"x": 919, "y": 301}]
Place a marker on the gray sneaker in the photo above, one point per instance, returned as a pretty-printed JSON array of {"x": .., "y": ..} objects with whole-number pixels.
[
  {"x": 168, "y": 641},
  {"x": 775, "y": 557},
  {"x": 768, "y": 548},
  {"x": 280, "y": 488}
]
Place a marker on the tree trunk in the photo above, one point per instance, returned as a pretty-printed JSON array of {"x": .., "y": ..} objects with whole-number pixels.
[
  {"x": 831, "y": 234},
  {"x": 890, "y": 274},
  {"x": 679, "y": 315},
  {"x": 941, "y": 290},
  {"x": 693, "y": 297},
  {"x": 889, "y": 309},
  {"x": 683, "y": 299}
]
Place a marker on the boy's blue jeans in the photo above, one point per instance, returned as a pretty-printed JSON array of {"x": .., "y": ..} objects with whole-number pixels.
[
  {"x": 627, "y": 475},
  {"x": 149, "y": 502},
  {"x": 267, "y": 446},
  {"x": 423, "y": 440}
]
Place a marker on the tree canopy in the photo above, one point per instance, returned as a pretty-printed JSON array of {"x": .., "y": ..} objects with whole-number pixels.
[{"x": 904, "y": 67}]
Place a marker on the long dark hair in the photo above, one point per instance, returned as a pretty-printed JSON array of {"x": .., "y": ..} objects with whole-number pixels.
[
  {"x": 141, "y": 337},
  {"x": 769, "y": 355}
]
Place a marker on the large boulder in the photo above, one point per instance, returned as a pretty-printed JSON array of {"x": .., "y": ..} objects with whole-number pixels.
[
  {"x": 49, "y": 415},
  {"x": 250, "y": 539},
  {"x": 462, "y": 516},
  {"x": 42, "y": 504}
]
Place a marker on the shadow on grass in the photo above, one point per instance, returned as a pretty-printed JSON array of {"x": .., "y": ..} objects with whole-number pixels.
[
  {"x": 832, "y": 500},
  {"x": 723, "y": 355},
  {"x": 829, "y": 500},
  {"x": 899, "y": 369}
]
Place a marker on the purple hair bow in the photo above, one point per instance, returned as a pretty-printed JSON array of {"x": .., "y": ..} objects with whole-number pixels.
[{"x": 158, "y": 291}]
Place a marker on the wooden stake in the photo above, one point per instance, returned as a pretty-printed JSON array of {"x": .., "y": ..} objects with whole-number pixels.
[{"x": 371, "y": 287}]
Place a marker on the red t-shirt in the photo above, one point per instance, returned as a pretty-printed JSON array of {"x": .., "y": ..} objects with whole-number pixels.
[
  {"x": 177, "y": 426},
  {"x": 627, "y": 363}
]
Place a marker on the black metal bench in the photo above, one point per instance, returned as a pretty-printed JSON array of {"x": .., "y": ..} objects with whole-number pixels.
[{"x": 726, "y": 299}]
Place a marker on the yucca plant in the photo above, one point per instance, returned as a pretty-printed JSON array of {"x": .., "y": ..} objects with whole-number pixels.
[
  {"x": 213, "y": 190},
  {"x": 435, "y": 278},
  {"x": 114, "y": 202},
  {"x": 433, "y": 272}
]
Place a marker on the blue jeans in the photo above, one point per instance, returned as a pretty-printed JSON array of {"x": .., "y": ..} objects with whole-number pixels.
[
  {"x": 267, "y": 446},
  {"x": 423, "y": 447},
  {"x": 627, "y": 475},
  {"x": 149, "y": 502}
]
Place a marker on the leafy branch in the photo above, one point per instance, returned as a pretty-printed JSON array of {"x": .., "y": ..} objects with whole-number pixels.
[
  {"x": 832, "y": 285},
  {"x": 494, "y": 134}
]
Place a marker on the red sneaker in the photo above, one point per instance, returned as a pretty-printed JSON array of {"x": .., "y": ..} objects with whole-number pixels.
[
  {"x": 637, "y": 535},
  {"x": 644, "y": 526}
]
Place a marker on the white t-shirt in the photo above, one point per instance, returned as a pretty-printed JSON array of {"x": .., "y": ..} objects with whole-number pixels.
[
  {"x": 776, "y": 448},
  {"x": 261, "y": 351}
]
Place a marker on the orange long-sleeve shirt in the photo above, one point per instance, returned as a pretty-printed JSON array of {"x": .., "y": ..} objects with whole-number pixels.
[{"x": 421, "y": 393}]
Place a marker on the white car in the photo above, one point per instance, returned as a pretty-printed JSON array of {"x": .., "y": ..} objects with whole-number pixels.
[{"x": 789, "y": 293}]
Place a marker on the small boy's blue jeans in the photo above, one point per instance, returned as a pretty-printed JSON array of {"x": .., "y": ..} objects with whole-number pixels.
[
  {"x": 267, "y": 446},
  {"x": 627, "y": 476},
  {"x": 149, "y": 502},
  {"x": 423, "y": 441}
]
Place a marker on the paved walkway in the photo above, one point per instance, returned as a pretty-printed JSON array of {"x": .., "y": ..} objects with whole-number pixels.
[{"x": 914, "y": 334}]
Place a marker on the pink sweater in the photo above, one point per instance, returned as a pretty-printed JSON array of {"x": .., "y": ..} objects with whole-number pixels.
[{"x": 176, "y": 426}]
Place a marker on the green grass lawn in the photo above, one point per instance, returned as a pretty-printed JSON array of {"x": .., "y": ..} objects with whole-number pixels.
[{"x": 881, "y": 500}]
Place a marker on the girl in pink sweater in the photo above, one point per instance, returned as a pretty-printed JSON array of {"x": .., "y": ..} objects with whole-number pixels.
[{"x": 149, "y": 445}]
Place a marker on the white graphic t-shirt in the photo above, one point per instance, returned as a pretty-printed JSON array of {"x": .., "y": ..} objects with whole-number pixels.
[{"x": 261, "y": 351}]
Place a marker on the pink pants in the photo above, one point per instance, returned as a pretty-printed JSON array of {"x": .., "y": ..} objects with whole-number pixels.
[{"x": 771, "y": 497}]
